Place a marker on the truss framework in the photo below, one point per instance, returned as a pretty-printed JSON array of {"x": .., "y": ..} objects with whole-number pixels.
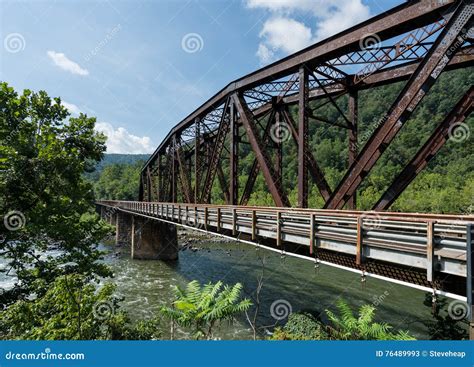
[{"x": 417, "y": 41}]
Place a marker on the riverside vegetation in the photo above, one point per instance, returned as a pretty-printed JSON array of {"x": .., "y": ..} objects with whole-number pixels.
[{"x": 48, "y": 189}]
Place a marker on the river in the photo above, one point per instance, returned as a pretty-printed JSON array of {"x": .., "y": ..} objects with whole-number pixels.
[{"x": 292, "y": 282}]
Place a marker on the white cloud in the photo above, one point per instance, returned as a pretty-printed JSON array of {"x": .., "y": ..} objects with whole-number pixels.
[
  {"x": 284, "y": 5},
  {"x": 282, "y": 34},
  {"x": 121, "y": 141},
  {"x": 71, "y": 107},
  {"x": 67, "y": 64},
  {"x": 341, "y": 17},
  {"x": 264, "y": 54},
  {"x": 285, "y": 34}
]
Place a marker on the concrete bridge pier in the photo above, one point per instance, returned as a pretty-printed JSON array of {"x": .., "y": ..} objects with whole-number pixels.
[
  {"x": 123, "y": 228},
  {"x": 153, "y": 240},
  {"x": 113, "y": 217}
]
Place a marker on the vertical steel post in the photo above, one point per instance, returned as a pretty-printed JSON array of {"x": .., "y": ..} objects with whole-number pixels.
[
  {"x": 197, "y": 148},
  {"x": 470, "y": 277},
  {"x": 429, "y": 250},
  {"x": 359, "y": 243},
  {"x": 174, "y": 172},
  {"x": 234, "y": 221},
  {"x": 353, "y": 117},
  {"x": 159, "y": 178},
  {"x": 254, "y": 225},
  {"x": 303, "y": 138},
  {"x": 148, "y": 183},
  {"x": 234, "y": 156},
  {"x": 278, "y": 147},
  {"x": 278, "y": 224},
  {"x": 311, "y": 234}
]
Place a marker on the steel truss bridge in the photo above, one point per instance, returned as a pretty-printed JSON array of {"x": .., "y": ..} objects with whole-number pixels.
[{"x": 415, "y": 43}]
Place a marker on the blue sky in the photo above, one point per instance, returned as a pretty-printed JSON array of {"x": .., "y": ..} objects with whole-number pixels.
[{"x": 141, "y": 66}]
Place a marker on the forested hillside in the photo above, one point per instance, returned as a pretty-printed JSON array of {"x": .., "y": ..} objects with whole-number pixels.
[
  {"x": 116, "y": 176},
  {"x": 445, "y": 186},
  {"x": 111, "y": 159}
]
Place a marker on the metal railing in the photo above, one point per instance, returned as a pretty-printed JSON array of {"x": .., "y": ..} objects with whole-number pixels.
[{"x": 433, "y": 242}]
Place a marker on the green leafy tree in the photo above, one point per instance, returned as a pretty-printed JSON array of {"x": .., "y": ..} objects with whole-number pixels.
[
  {"x": 119, "y": 181},
  {"x": 73, "y": 309},
  {"x": 347, "y": 326},
  {"x": 45, "y": 202},
  {"x": 201, "y": 308}
]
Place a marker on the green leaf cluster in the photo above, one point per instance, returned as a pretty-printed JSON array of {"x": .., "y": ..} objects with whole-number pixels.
[
  {"x": 44, "y": 154},
  {"x": 73, "y": 309},
  {"x": 200, "y": 308}
]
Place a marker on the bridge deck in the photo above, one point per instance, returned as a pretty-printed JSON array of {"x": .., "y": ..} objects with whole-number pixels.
[{"x": 434, "y": 244}]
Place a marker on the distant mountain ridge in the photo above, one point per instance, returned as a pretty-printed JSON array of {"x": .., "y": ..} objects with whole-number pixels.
[{"x": 114, "y": 158}]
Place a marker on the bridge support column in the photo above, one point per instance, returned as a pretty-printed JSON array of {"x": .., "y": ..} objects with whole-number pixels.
[
  {"x": 113, "y": 218},
  {"x": 123, "y": 229},
  {"x": 153, "y": 240}
]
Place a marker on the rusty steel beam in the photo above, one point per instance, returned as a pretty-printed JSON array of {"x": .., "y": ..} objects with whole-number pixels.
[
  {"x": 303, "y": 137},
  {"x": 463, "y": 58},
  {"x": 275, "y": 186},
  {"x": 216, "y": 154},
  {"x": 353, "y": 116},
  {"x": 253, "y": 173},
  {"x": 278, "y": 147},
  {"x": 332, "y": 100},
  {"x": 406, "y": 45},
  {"x": 234, "y": 157},
  {"x": 314, "y": 169},
  {"x": 223, "y": 183},
  {"x": 417, "y": 87},
  {"x": 174, "y": 176},
  {"x": 399, "y": 20},
  {"x": 432, "y": 146},
  {"x": 197, "y": 159},
  {"x": 184, "y": 176},
  {"x": 148, "y": 183},
  {"x": 159, "y": 177}
]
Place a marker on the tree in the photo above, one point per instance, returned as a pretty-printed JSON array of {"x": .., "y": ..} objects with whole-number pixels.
[
  {"x": 45, "y": 202},
  {"x": 119, "y": 181},
  {"x": 201, "y": 308},
  {"x": 349, "y": 327},
  {"x": 72, "y": 309}
]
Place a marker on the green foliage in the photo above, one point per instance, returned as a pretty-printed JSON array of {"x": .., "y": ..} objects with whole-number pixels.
[
  {"x": 44, "y": 156},
  {"x": 114, "y": 158},
  {"x": 346, "y": 326},
  {"x": 73, "y": 309},
  {"x": 119, "y": 181},
  {"x": 300, "y": 326},
  {"x": 200, "y": 308}
]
